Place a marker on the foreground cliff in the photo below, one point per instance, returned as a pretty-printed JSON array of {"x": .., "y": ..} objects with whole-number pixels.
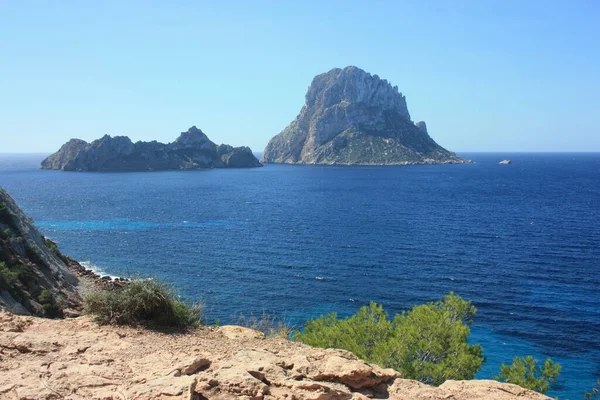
[
  {"x": 353, "y": 117},
  {"x": 77, "y": 359},
  {"x": 34, "y": 276},
  {"x": 191, "y": 150}
]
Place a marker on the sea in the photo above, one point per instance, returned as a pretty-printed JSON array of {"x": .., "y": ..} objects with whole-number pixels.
[{"x": 521, "y": 241}]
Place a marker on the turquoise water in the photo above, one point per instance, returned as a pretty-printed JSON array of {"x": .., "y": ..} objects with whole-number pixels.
[{"x": 521, "y": 241}]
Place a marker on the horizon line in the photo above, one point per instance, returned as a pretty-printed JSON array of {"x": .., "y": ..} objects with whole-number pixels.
[{"x": 458, "y": 151}]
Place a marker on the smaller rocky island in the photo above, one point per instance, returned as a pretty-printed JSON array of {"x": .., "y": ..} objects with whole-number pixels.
[
  {"x": 504, "y": 162},
  {"x": 191, "y": 150}
]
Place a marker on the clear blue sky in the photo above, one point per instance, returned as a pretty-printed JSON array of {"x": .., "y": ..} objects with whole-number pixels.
[{"x": 485, "y": 75}]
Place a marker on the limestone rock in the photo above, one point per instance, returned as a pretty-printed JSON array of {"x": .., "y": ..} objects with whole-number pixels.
[
  {"x": 77, "y": 359},
  {"x": 422, "y": 126},
  {"x": 303, "y": 373},
  {"x": 191, "y": 150},
  {"x": 353, "y": 117},
  {"x": 403, "y": 389},
  {"x": 194, "y": 366},
  {"x": 334, "y": 365},
  {"x": 240, "y": 332},
  {"x": 504, "y": 162}
]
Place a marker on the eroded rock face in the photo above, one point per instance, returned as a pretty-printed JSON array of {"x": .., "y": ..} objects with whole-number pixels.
[
  {"x": 191, "y": 150},
  {"x": 35, "y": 278},
  {"x": 77, "y": 359},
  {"x": 353, "y": 117},
  {"x": 298, "y": 372}
]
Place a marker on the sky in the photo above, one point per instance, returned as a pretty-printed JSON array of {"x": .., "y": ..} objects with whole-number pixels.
[{"x": 485, "y": 75}]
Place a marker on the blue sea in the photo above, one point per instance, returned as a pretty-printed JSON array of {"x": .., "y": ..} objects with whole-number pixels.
[{"x": 522, "y": 241}]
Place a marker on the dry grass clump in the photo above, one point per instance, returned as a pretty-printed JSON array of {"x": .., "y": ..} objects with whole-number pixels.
[
  {"x": 269, "y": 324},
  {"x": 142, "y": 302}
]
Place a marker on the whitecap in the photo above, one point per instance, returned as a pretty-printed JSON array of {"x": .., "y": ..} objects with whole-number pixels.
[{"x": 97, "y": 270}]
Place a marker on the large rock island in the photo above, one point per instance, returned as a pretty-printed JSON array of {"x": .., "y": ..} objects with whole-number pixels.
[
  {"x": 353, "y": 117},
  {"x": 191, "y": 150}
]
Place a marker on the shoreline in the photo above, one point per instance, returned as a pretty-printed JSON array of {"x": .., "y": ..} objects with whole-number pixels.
[{"x": 102, "y": 282}]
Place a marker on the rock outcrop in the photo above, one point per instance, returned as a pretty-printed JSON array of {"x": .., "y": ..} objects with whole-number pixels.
[
  {"x": 34, "y": 277},
  {"x": 191, "y": 150},
  {"x": 77, "y": 359},
  {"x": 353, "y": 117}
]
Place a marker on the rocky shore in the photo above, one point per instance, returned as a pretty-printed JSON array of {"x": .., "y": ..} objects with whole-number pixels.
[{"x": 100, "y": 282}]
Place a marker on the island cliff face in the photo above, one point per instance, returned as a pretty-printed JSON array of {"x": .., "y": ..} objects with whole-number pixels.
[
  {"x": 353, "y": 117},
  {"x": 191, "y": 150}
]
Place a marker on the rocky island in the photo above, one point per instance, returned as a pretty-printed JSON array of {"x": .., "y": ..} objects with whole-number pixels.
[
  {"x": 191, "y": 150},
  {"x": 354, "y": 118}
]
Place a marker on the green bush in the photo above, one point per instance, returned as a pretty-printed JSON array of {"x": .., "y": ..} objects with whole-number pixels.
[
  {"x": 8, "y": 276},
  {"x": 142, "y": 302},
  {"x": 14, "y": 277},
  {"x": 34, "y": 255},
  {"x": 52, "y": 246},
  {"x": 525, "y": 372},
  {"x": 5, "y": 234},
  {"x": 427, "y": 343},
  {"x": 5, "y": 215},
  {"x": 51, "y": 307}
]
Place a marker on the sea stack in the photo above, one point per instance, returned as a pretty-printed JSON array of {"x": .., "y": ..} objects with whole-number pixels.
[
  {"x": 191, "y": 150},
  {"x": 351, "y": 117}
]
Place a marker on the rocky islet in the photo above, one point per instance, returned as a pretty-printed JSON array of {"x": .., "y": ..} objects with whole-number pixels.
[
  {"x": 351, "y": 117},
  {"x": 191, "y": 150}
]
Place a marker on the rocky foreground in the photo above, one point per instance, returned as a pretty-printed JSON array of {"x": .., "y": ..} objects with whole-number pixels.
[
  {"x": 77, "y": 359},
  {"x": 351, "y": 117},
  {"x": 191, "y": 150}
]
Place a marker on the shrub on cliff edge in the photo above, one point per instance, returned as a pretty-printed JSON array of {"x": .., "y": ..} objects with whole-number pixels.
[
  {"x": 525, "y": 372},
  {"x": 427, "y": 343},
  {"x": 142, "y": 302}
]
